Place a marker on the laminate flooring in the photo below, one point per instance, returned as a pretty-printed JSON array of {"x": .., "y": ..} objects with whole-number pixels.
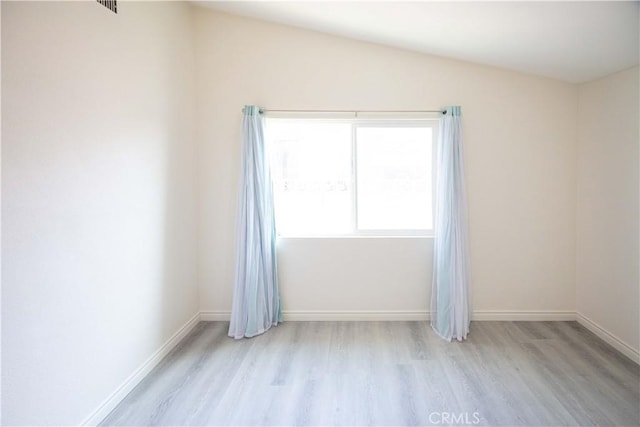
[{"x": 388, "y": 373}]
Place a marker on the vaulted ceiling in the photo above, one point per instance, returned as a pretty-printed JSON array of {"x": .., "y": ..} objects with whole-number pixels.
[{"x": 570, "y": 41}]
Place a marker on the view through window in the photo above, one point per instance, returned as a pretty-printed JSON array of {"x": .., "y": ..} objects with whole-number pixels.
[{"x": 352, "y": 177}]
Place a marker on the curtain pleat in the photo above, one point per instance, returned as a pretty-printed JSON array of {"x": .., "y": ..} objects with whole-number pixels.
[
  {"x": 450, "y": 306},
  {"x": 256, "y": 300}
]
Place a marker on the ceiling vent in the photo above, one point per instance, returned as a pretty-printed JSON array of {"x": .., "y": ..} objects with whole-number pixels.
[{"x": 109, "y": 4}]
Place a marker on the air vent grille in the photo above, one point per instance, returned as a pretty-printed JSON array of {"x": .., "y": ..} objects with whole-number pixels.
[{"x": 109, "y": 4}]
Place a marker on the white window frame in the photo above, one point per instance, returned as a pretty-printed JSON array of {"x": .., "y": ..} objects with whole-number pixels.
[{"x": 371, "y": 122}]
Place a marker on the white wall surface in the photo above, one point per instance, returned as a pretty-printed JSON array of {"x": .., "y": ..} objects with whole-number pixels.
[
  {"x": 98, "y": 201},
  {"x": 520, "y": 134},
  {"x": 608, "y": 284}
]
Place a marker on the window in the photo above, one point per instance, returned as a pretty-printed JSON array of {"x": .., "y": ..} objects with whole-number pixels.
[{"x": 352, "y": 177}]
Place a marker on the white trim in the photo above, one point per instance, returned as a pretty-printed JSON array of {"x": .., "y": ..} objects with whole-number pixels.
[
  {"x": 328, "y": 315},
  {"x": 486, "y": 315},
  {"x": 609, "y": 338},
  {"x": 523, "y": 315},
  {"x": 397, "y": 315},
  {"x": 121, "y": 392},
  {"x": 324, "y": 315}
]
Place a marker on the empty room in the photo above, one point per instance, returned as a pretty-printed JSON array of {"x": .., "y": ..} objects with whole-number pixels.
[{"x": 320, "y": 213}]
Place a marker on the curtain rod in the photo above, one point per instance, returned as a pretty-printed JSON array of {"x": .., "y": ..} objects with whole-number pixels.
[{"x": 352, "y": 111}]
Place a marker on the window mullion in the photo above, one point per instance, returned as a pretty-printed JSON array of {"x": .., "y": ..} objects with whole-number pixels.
[{"x": 354, "y": 180}]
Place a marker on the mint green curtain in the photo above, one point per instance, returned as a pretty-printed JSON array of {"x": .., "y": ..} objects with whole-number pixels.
[
  {"x": 256, "y": 300},
  {"x": 450, "y": 307}
]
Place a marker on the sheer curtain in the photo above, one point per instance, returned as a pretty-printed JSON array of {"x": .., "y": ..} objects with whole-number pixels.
[
  {"x": 256, "y": 300},
  {"x": 450, "y": 308}
]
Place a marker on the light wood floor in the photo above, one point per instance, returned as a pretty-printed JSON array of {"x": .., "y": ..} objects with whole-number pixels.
[{"x": 388, "y": 373}]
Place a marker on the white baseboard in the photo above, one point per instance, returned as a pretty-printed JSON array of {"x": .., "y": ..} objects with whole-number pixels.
[
  {"x": 398, "y": 315},
  {"x": 322, "y": 315},
  {"x": 328, "y": 315},
  {"x": 523, "y": 315},
  {"x": 609, "y": 338},
  {"x": 116, "y": 397}
]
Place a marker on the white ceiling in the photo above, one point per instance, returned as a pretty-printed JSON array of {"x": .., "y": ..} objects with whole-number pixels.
[{"x": 570, "y": 41}]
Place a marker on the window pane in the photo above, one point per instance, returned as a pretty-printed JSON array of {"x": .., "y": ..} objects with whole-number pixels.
[
  {"x": 394, "y": 178},
  {"x": 311, "y": 172}
]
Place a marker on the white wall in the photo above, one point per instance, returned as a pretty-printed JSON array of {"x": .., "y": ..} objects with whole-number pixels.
[
  {"x": 608, "y": 284},
  {"x": 520, "y": 134},
  {"x": 98, "y": 201}
]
